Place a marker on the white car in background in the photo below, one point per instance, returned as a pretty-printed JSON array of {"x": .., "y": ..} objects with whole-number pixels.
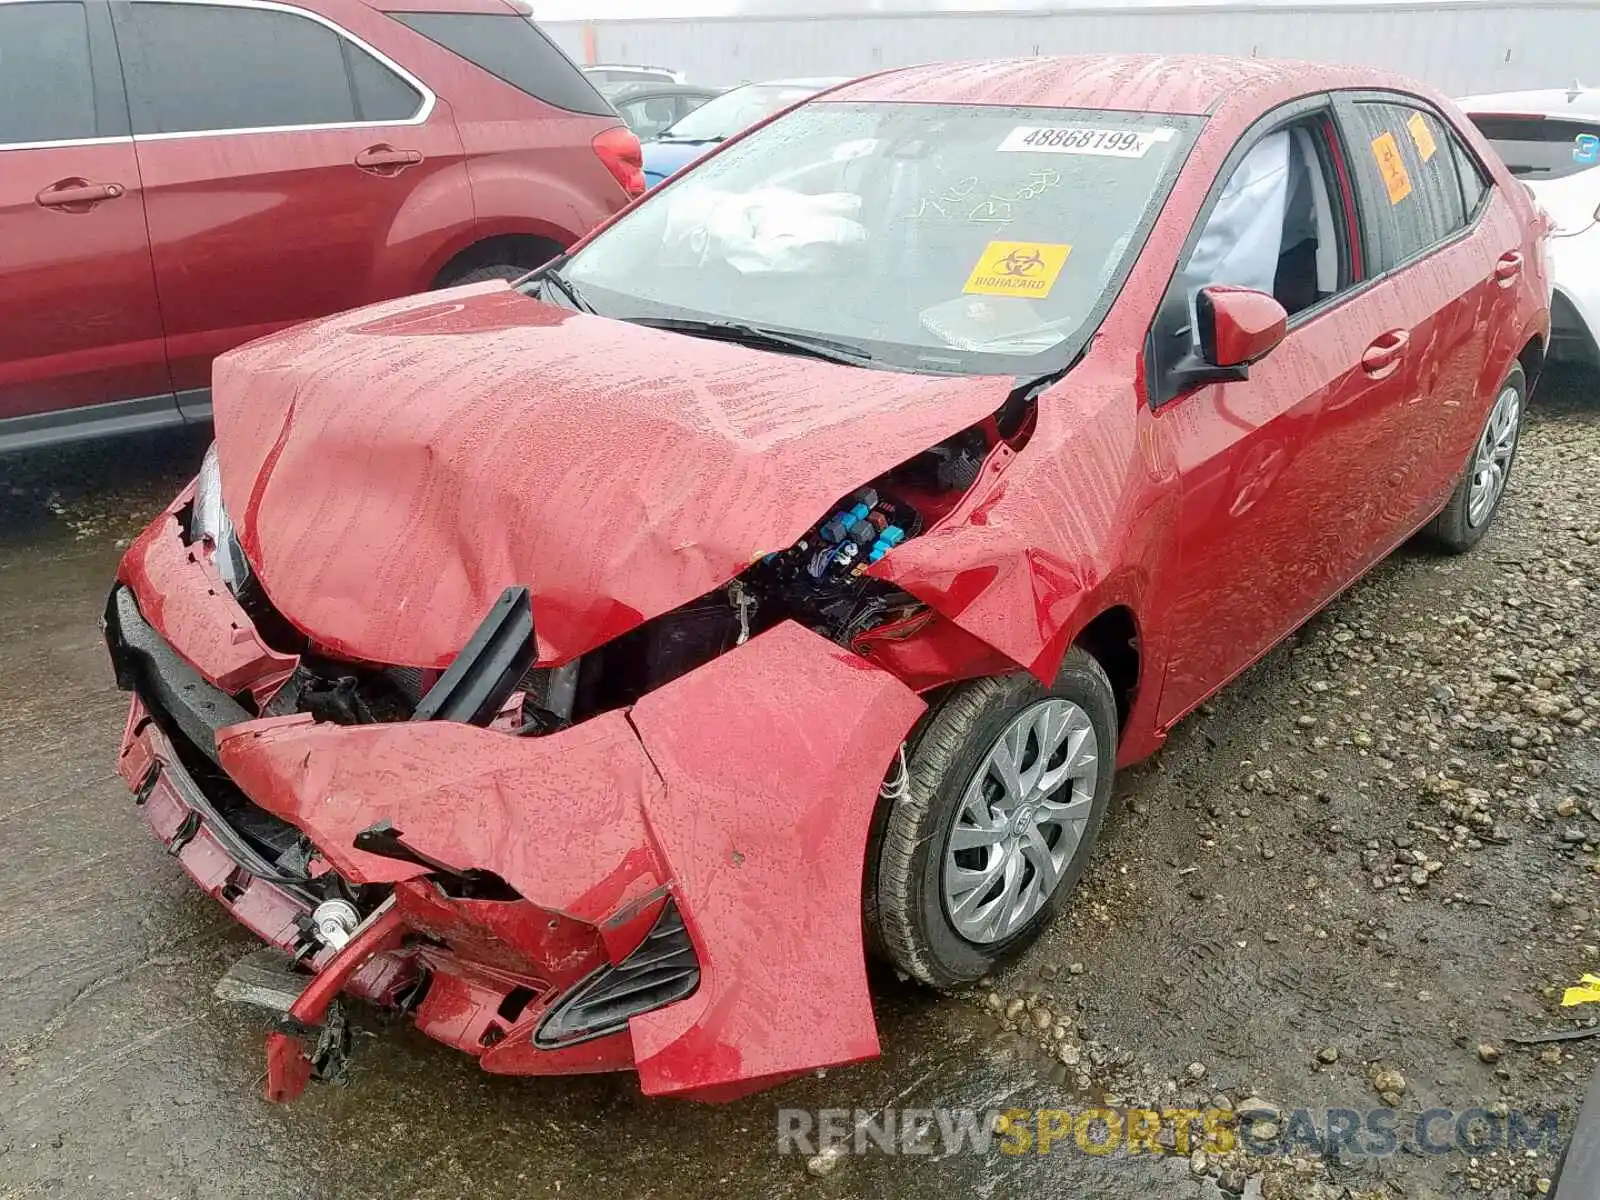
[{"x": 1551, "y": 141}]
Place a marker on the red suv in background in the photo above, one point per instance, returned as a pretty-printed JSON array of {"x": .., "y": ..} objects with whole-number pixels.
[{"x": 180, "y": 176}]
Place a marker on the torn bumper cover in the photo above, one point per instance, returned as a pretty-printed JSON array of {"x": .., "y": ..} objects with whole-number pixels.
[{"x": 673, "y": 887}]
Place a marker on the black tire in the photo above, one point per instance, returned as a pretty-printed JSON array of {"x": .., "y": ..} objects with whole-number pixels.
[
  {"x": 1453, "y": 530},
  {"x": 904, "y": 910},
  {"x": 483, "y": 274}
]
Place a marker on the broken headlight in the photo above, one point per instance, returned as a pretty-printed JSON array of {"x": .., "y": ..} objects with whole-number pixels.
[{"x": 209, "y": 523}]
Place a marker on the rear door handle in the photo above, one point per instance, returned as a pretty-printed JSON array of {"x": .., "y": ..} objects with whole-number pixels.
[
  {"x": 1508, "y": 268},
  {"x": 384, "y": 159},
  {"x": 77, "y": 195},
  {"x": 1383, "y": 356}
]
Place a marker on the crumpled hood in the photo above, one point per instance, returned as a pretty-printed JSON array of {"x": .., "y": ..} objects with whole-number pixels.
[{"x": 392, "y": 470}]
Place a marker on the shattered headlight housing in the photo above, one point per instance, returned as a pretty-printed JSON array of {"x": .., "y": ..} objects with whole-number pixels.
[{"x": 209, "y": 523}]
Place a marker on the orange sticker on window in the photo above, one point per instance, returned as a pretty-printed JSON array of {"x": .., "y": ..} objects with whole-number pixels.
[
  {"x": 1422, "y": 136},
  {"x": 1027, "y": 269},
  {"x": 1395, "y": 176}
]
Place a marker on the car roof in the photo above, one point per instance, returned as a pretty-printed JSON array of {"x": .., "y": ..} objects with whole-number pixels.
[
  {"x": 1544, "y": 102},
  {"x": 1193, "y": 84}
]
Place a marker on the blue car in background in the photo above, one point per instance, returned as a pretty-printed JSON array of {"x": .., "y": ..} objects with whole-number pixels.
[{"x": 718, "y": 120}]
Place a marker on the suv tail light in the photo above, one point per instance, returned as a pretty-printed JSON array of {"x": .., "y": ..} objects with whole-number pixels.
[{"x": 619, "y": 149}]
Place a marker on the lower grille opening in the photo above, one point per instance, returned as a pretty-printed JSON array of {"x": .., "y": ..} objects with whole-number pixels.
[{"x": 661, "y": 971}]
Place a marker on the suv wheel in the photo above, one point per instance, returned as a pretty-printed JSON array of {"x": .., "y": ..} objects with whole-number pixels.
[{"x": 485, "y": 273}]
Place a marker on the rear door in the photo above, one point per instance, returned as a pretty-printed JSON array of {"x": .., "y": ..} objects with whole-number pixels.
[
  {"x": 79, "y": 324},
  {"x": 1444, "y": 270},
  {"x": 290, "y": 169}
]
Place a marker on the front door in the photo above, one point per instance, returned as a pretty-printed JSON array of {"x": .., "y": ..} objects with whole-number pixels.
[
  {"x": 1265, "y": 536},
  {"x": 79, "y": 323}
]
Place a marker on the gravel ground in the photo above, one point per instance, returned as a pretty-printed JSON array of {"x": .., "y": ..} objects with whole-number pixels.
[
  {"x": 1358, "y": 871},
  {"x": 1348, "y": 883}
]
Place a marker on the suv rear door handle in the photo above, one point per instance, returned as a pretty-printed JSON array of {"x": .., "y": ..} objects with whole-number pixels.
[
  {"x": 1508, "y": 268},
  {"x": 384, "y": 159},
  {"x": 77, "y": 195},
  {"x": 1383, "y": 356}
]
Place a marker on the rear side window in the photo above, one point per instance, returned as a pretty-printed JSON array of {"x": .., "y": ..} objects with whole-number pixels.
[
  {"x": 46, "y": 85},
  {"x": 1474, "y": 187},
  {"x": 511, "y": 48},
  {"x": 205, "y": 68},
  {"x": 1407, "y": 164},
  {"x": 1537, "y": 147}
]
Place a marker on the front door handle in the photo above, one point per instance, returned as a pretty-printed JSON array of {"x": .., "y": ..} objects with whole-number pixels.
[
  {"x": 384, "y": 159},
  {"x": 1508, "y": 268},
  {"x": 1383, "y": 356},
  {"x": 77, "y": 195}
]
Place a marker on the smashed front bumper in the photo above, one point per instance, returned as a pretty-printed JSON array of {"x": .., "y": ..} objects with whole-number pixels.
[{"x": 722, "y": 818}]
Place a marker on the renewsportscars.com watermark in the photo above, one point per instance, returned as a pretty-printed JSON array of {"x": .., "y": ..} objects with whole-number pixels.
[{"x": 1332, "y": 1132}]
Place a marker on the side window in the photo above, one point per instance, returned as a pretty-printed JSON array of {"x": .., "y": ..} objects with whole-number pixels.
[
  {"x": 46, "y": 84},
  {"x": 1277, "y": 225},
  {"x": 513, "y": 49},
  {"x": 649, "y": 115},
  {"x": 381, "y": 95},
  {"x": 1474, "y": 187},
  {"x": 202, "y": 68},
  {"x": 1405, "y": 160}
]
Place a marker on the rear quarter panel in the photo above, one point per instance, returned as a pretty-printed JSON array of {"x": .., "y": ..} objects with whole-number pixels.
[{"x": 532, "y": 167}]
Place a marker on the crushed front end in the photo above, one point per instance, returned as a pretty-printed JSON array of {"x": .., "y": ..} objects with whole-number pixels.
[{"x": 670, "y": 883}]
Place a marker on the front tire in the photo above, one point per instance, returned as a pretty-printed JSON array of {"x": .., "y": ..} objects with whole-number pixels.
[
  {"x": 1476, "y": 500},
  {"x": 1006, "y": 787}
]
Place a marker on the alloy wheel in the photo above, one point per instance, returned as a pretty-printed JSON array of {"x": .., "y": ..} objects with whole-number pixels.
[
  {"x": 1020, "y": 821},
  {"x": 1492, "y": 463}
]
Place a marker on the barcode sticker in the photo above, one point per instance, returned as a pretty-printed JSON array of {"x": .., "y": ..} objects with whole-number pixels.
[{"x": 1109, "y": 143}]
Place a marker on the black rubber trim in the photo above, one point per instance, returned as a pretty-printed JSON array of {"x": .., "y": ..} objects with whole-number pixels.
[
  {"x": 60, "y": 427},
  {"x": 145, "y": 664},
  {"x": 486, "y": 672}
]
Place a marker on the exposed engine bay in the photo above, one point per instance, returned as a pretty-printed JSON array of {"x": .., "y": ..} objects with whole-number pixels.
[{"x": 821, "y": 582}]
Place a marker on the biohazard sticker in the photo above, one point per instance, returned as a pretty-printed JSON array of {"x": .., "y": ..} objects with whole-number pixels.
[
  {"x": 1392, "y": 167},
  {"x": 1422, "y": 136},
  {"x": 1027, "y": 269}
]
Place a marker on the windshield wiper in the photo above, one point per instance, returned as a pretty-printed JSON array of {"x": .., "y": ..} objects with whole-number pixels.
[
  {"x": 566, "y": 287},
  {"x": 759, "y": 338}
]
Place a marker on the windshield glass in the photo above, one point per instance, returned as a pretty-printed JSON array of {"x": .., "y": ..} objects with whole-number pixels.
[
  {"x": 735, "y": 110},
  {"x": 932, "y": 237}
]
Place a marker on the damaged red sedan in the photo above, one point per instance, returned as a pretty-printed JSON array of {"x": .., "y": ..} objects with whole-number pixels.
[{"x": 600, "y": 668}]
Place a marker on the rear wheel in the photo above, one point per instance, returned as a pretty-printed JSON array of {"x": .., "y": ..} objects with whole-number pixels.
[
  {"x": 1472, "y": 507},
  {"x": 992, "y": 825}
]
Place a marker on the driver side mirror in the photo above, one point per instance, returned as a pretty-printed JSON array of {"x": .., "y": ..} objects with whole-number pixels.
[{"x": 1237, "y": 326}]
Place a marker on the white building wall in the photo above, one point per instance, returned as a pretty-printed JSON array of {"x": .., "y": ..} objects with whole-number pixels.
[{"x": 1459, "y": 47}]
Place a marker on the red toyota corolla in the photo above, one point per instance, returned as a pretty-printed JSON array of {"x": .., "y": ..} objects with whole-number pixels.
[{"x": 596, "y": 668}]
